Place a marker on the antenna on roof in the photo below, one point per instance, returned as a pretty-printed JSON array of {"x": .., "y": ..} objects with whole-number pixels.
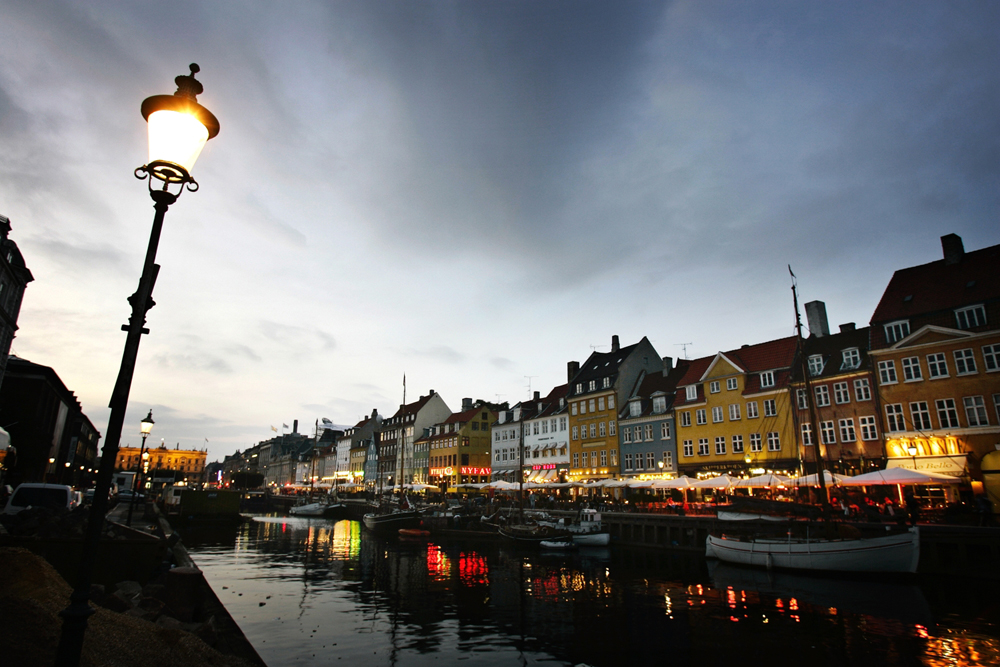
[
  {"x": 684, "y": 348},
  {"x": 498, "y": 397},
  {"x": 529, "y": 384},
  {"x": 594, "y": 347}
]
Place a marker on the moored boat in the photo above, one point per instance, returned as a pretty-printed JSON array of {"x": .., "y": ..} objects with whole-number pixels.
[
  {"x": 895, "y": 552},
  {"x": 533, "y": 535},
  {"x": 319, "y": 508}
]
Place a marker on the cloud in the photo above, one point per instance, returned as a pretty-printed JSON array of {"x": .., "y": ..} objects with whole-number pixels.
[
  {"x": 502, "y": 363},
  {"x": 441, "y": 353}
]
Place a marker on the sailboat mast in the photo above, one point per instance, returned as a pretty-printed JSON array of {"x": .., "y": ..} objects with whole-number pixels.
[
  {"x": 814, "y": 424},
  {"x": 401, "y": 442},
  {"x": 520, "y": 469}
]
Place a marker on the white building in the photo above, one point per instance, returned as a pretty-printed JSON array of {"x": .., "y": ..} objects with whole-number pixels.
[{"x": 546, "y": 438}]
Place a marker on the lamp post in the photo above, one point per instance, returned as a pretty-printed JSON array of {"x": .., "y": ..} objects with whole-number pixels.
[
  {"x": 912, "y": 450},
  {"x": 178, "y": 128},
  {"x": 145, "y": 428}
]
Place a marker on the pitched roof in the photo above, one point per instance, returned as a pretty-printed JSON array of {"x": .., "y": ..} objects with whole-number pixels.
[
  {"x": 831, "y": 349},
  {"x": 656, "y": 383},
  {"x": 603, "y": 364},
  {"x": 463, "y": 417},
  {"x": 937, "y": 286},
  {"x": 414, "y": 407}
]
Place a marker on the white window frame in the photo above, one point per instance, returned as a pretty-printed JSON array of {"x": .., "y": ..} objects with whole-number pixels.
[
  {"x": 894, "y": 421},
  {"x": 828, "y": 432},
  {"x": 717, "y": 414},
  {"x": 659, "y": 404},
  {"x": 756, "y": 445},
  {"x": 807, "y": 434},
  {"x": 911, "y": 369},
  {"x": 592, "y": 385},
  {"x": 851, "y": 359},
  {"x": 686, "y": 418},
  {"x": 649, "y": 432},
  {"x": 703, "y": 447},
  {"x": 773, "y": 441},
  {"x": 734, "y": 412},
  {"x": 767, "y": 379},
  {"x": 869, "y": 431},
  {"x": 611, "y": 427},
  {"x": 977, "y": 319},
  {"x": 628, "y": 461},
  {"x": 887, "y": 372},
  {"x": 732, "y": 384},
  {"x": 770, "y": 407},
  {"x": 637, "y": 433},
  {"x": 815, "y": 364},
  {"x": 991, "y": 358},
  {"x": 602, "y": 429},
  {"x": 896, "y": 331},
  {"x": 975, "y": 411},
  {"x": 737, "y": 441},
  {"x": 606, "y": 383},
  {"x": 576, "y": 433},
  {"x": 600, "y": 404},
  {"x": 714, "y": 387},
  {"x": 841, "y": 393},
  {"x": 720, "y": 445},
  {"x": 920, "y": 416},
  {"x": 688, "y": 448},
  {"x": 752, "y": 412},
  {"x": 664, "y": 430},
  {"x": 862, "y": 390},
  {"x": 847, "y": 432},
  {"x": 691, "y": 392},
  {"x": 802, "y": 399},
  {"x": 822, "y": 393},
  {"x": 937, "y": 365},
  {"x": 700, "y": 416},
  {"x": 965, "y": 362},
  {"x": 947, "y": 413}
]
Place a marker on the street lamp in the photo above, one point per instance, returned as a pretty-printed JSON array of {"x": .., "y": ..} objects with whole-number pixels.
[
  {"x": 178, "y": 128},
  {"x": 145, "y": 428},
  {"x": 912, "y": 449}
]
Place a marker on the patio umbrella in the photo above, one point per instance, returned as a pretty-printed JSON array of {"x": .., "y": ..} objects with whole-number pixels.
[
  {"x": 830, "y": 478},
  {"x": 761, "y": 481},
  {"x": 721, "y": 482},
  {"x": 422, "y": 487},
  {"x": 639, "y": 483},
  {"x": 614, "y": 483},
  {"x": 682, "y": 482},
  {"x": 899, "y": 476}
]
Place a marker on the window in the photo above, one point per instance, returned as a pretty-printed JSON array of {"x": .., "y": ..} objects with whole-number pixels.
[
  {"x": 579, "y": 388},
  {"x": 965, "y": 362},
  {"x": 664, "y": 430},
  {"x": 770, "y": 408},
  {"x": 611, "y": 428},
  {"x": 700, "y": 416},
  {"x": 815, "y": 364},
  {"x": 576, "y": 433},
  {"x": 773, "y": 442},
  {"x": 638, "y": 433},
  {"x": 827, "y": 434},
  {"x": 920, "y": 416},
  {"x": 668, "y": 460},
  {"x": 685, "y": 419},
  {"x": 973, "y": 316},
  {"x": 593, "y": 459},
  {"x": 611, "y": 404},
  {"x": 975, "y": 411},
  {"x": 737, "y": 444},
  {"x": 691, "y": 392},
  {"x": 734, "y": 412},
  {"x": 604, "y": 457},
  {"x": 716, "y": 414},
  {"x": 887, "y": 372},
  {"x": 626, "y": 435},
  {"x": 605, "y": 383},
  {"x": 634, "y": 408},
  {"x": 702, "y": 446},
  {"x": 937, "y": 366},
  {"x": 572, "y": 408},
  {"x": 822, "y": 395},
  {"x": 601, "y": 430},
  {"x": 947, "y": 414},
  {"x": 614, "y": 456},
  {"x": 894, "y": 417},
  {"x": 593, "y": 405},
  {"x": 650, "y": 460},
  {"x": 911, "y": 369},
  {"x": 496, "y": 436},
  {"x": 535, "y": 427},
  {"x": 807, "y": 434},
  {"x": 731, "y": 384},
  {"x": 649, "y": 432},
  {"x": 593, "y": 430},
  {"x": 767, "y": 379},
  {"x": 802, "y": 399},
  {"x": 720, "y": 444},
  {"x": 847, "y": 430},
  {"x": 660, "y": 404},
  {"x": 628, "y": 462},
  {"x": 592, "y": 385},
  {"x": 991, "y": 356},
  {"x": 562, "y": 424},
  {"x": 851, "y": 359},
  {"x": 714, "y": 387},
  {"x": 862, "y": 392},
  {"x": 755, "y": 443},
  {"x": 600, "y": 403},
  {"x": 897, "y": 331},
  {"x": 688, "y": 448},
  {"x": 576, "y": 459},
  {"x": 840, "y": 393},
  {"x": 752, "y": 410},
  {"x": 996, "y": 406},
  {"x": 868, "y": 431}
]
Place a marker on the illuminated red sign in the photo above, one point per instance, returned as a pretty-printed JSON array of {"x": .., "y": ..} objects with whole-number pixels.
[
  {"x": 442, "y": 472},
  {"x": 544, "y": 466},
  {"x": 469, "y": 470}
]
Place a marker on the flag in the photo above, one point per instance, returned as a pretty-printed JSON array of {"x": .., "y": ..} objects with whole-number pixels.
[
  {"x": 284, "y": 426},
  {"x": 404, "y": 380},
  {"x": 274, "y": 429},
  {"x": 206, "y": 439}
]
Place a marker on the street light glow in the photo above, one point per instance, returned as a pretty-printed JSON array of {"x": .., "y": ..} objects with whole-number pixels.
[{"x": 175, "y": 137}]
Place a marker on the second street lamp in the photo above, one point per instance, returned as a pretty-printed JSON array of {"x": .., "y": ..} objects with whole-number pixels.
[
  {"x": 178, "y": 129},
  {"x": 145, "y": 428}
]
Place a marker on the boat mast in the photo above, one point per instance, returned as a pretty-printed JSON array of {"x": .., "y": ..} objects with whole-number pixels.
[
  {"x": 400, "y": 442},
  {"x": 814, "y": 423},
  {"x": 520, "y": 467}
]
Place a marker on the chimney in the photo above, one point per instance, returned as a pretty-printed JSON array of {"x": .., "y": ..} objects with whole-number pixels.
[
  {"x": 953, "y": 248},
  {"x": 614, "y": 344},
  {"x": 572, "y": 368},
  {"x": 847, "y": 328},
  {"x": 295, "y": 426},
  {"x": 432, "y": 392},
  {"x": 816, "y": 316},
  {"x": 538, "y": 396},
  {"x": 668, "y": 365},
  {"x": 466, "y": 404}
]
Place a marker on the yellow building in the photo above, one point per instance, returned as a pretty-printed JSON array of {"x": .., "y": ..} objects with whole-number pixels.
[
  {"x": 940, "y": 395},
  {"x": 733, "y": 414},
  {"x": 459, "y": 449},
  {"x": 189, "y": 462},
  {"x": 596, "y": 391}
]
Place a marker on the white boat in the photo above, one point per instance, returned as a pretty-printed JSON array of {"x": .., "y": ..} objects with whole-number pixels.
[
  {"x": 321, "y": 508},
  {"x": 589, "y": 531},
  {"x": 560, "y": 545},
  {"x": 898, "y": 552}
]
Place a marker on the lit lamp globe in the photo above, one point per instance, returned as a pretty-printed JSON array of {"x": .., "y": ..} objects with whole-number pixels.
[
  {"x": 146, "y": 425},
  {"x": 178, "y": 128}
]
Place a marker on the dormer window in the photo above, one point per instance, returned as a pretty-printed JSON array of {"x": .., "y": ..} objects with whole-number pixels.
[
  {"x": 852, "y": 359},
  {"x": 973, "y": 316},
  {"x": 579, "y": 388},
  {"x": 659, "y": 404},
  {"x": 895, "y": 331},
  {"x": 691, "y": 392},
  {"x": 593, "y": 385},
  {"x": 815, "y": 364},
  {"x": 634, "y": 408},
  {"x": 767, "y": 379},
  {"x": 605, "y": 383}
]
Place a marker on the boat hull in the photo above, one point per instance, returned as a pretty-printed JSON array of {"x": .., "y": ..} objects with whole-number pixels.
[
  {"x": 598, "y": 539},
  {"x": 532, "y": 535},
  {"x": 889, "y": 553},
  {"x": 391, "y": 523},
  {"x": 318, "y": 511}
]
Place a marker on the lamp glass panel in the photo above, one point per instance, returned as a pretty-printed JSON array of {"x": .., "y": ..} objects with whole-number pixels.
[{"x": 175, "y": 137}]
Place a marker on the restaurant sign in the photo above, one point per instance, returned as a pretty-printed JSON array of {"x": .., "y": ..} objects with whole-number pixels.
[
  {"x": 947, "y": 465},
  {"x": 472, "y": 470},
  {"x": 442, "y": 472}
]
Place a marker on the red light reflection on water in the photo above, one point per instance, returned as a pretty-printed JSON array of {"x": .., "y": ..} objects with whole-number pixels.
[
  {"x": 438, "y": 564},
  {"x": 472, "y": 569}
]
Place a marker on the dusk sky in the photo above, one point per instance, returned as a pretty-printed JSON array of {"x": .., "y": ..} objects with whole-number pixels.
[{"x": 472, "y": 193}]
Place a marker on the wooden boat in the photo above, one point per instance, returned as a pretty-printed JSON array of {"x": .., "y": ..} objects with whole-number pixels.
[
  {"x": 389, "y": 522},
  {"x": 414, "y": 533},
  {"x": 532, "y": 535},
  {"x": 895, "y": 552},
  {"x": 318, "y": 508}
]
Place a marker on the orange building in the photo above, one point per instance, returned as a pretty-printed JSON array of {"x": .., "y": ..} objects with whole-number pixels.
[
  {"x": 459, "y": 448},
  {"x": 190, "y": 463}
]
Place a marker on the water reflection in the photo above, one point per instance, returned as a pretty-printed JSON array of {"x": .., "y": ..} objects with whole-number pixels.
[{"x": 309, "y": 591}]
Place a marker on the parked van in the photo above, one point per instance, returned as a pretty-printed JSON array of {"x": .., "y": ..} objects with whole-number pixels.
[{"x": 39, "y": 495}]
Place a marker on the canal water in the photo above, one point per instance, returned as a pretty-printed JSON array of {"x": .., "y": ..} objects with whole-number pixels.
[{"x": 314, "y": 592}]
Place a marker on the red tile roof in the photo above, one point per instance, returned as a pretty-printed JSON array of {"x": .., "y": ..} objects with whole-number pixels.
[{"x": 938, "y": 286}]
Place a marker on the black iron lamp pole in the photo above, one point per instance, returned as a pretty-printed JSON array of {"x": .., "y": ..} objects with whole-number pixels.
[
  {"x": 145, "y": 427},
  {"x": 178, "y": 129}
]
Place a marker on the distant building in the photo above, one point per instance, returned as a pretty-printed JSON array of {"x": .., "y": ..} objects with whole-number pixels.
[
  {"x": 546, "y": 437},
  {"x": 395, "y": 444},
  {"x": 181, "y": 464},
  {"x": 14, "y": 277},
  {"x": 646, "y": 430},
  {"x": 459, "y": 448}
]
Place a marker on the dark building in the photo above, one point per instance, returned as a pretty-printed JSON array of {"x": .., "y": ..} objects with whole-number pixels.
[
  {"x": 52, "y": 440},
  {"x": 14, "y": 276}
]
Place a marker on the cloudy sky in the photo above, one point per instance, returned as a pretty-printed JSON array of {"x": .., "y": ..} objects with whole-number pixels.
[{"x": 473, "y": 193}]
